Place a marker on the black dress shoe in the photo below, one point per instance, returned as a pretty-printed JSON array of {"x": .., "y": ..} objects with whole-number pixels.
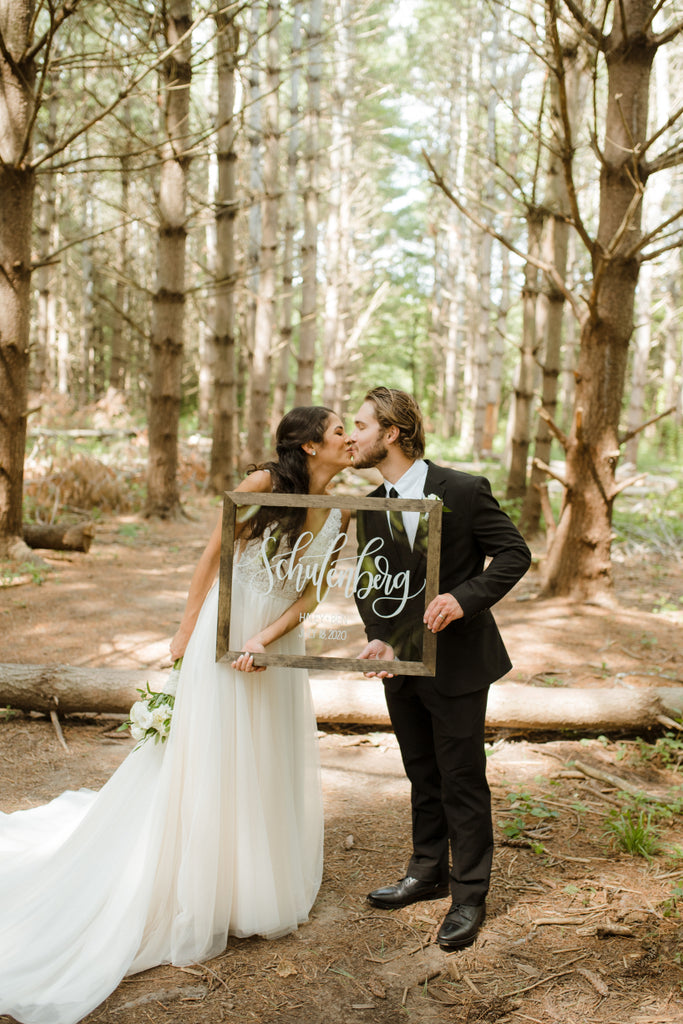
[
  {"x": 407, "y": 890},
  {"x": 460, "y": 926}
]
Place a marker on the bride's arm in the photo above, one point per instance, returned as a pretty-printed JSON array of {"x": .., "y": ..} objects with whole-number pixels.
[
  {"x": 207, "y": 568},
  {"x": 290, "y": 619}
]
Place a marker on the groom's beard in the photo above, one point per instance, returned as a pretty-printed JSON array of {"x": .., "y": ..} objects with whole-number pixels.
[{"x": 372, "y": 457}]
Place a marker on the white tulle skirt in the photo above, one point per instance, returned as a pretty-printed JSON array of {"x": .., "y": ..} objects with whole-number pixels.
[{"x": 217, "y": 831}]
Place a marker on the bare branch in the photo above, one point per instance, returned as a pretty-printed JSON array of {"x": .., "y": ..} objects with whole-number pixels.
[
  {"x": 626, "y": 220},
  {"x": 567, "y": 151},
  {"x": 653, "y": 14},
  {"x": 630, "y": 482},
  {"x": 51, "y": 258},
  {"x": 646, "y": 239},
  {"x": 585, "y": 22},
  {"x": 632, "y": 433},
  {"x": 660, "y": 131},
  {"x": 123, "y": 93},
  {"x": 553, "y": 427},
  {"x": 68, "y": 8},
  {"x": 669, "y": 158},
  {"x": 547, "y": 268},
  {"x": 540, "y": 464},
  {"x": 661, "y": 38},
  {"x": 656, "y": 253}
]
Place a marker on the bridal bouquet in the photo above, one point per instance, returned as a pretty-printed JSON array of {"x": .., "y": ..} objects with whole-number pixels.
[{"x": 150, "y": 717}]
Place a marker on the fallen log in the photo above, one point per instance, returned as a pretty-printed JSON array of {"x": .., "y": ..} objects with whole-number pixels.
[
  {"x": 84, "y": 432},
  {"x": 343, "y": 699},
  {"x": 59, "y": 537}
]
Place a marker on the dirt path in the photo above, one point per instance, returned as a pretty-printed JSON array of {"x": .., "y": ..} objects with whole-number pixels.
[{"x": 549, "y": 951}]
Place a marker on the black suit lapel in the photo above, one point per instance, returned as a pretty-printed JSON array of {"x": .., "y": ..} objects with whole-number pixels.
[{"x": 435, "y": 481}]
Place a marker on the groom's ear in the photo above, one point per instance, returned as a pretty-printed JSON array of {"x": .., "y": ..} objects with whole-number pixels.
[{"x": 392, "y": 434}]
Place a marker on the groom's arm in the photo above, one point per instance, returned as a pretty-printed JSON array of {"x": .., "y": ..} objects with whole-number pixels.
[{"x": 495, "y": 535}]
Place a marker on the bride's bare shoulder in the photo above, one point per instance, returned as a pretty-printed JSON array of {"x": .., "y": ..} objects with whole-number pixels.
[{"x": 259, "y": 481}]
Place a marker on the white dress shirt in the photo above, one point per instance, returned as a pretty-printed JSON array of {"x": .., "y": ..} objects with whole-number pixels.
[{"x": 410, "y": 485}]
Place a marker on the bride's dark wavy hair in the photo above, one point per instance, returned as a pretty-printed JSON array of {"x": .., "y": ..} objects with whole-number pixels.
[{"x": 289, "y": 472}]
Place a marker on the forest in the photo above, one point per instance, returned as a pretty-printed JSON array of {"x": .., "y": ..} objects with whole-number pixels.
[{"x": 211, "y": 212}]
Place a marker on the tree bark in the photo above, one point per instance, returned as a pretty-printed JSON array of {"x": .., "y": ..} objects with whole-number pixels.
[
  {"x": 46, "y": 328},
  {"x": 17, "y": 181},
  {"x": 482, "y": 354},
  {"x": 309, "y": 248},
  {"x": 120, "y": 341},
  {"x": 264, "y": 327},
  {"x": 520, "y": 419},
  {"x": 291, "y": 201},
  {"x": 224, "y": 429},
  {"x": 65, "y": 537},
  {"x": 551, "y": 301},
  {"x": 578, "y": 561},
  {"x": 78, "y": 689},
  {"x": 166, "y": 349}
]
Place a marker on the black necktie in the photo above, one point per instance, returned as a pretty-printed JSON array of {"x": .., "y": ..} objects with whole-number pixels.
[{"x": 398, "y": 530}]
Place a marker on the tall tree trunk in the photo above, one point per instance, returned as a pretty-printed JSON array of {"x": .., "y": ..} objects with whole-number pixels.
[
  {"x": 166, "y": 350},
  {"x": 309, "y": 248},
  {"x": 458, "y": 232},
  {"x": 672, "y": 385},
  {"x": 570, "y": 348},
  {"x": 120, "y": 341},
  {"x": 254, "y": 104},
  {"x": 654, "y": 207},
  {"x": 17, "y": 180},
  {"x": 223, "y": 454},
  {"x": 264, "y": 329},
  {"x": 47, "y": 216},
  {"x": 520, "y": 419},
  {"x": 578, "y": 561},
  {"x": 642, "y": 342},
  {"x": 551, "y": 301},
  {"x": 284, "y": 355},
  {"x": 87, "y": 332},
  {"x": 482, "y": 350},
  {"x": 334, "y": 329}
]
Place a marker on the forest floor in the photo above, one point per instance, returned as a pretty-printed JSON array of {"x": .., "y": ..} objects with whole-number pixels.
[{"x": 578, "y": 930}]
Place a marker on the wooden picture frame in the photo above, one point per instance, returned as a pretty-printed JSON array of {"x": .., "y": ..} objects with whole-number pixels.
[{"x": 233, "y": 500}]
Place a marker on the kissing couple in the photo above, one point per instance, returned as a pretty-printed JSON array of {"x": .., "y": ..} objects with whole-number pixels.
[{"x": 219, "y": 830}]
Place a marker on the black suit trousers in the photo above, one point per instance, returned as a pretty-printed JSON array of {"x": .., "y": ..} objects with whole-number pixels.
[{"x": 442, "y": 745}]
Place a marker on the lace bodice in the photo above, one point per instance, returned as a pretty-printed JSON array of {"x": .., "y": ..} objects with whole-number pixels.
[{"x": 253, "y": 571}]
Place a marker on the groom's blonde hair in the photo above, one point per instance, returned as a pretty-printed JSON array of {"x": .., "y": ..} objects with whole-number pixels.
[{"x": 394, "y": 408}]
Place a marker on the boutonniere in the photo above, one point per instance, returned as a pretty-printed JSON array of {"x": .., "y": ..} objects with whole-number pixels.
[{"x": 435, "y": 497}]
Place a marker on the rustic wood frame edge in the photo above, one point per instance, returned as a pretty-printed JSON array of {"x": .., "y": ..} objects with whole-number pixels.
[{"x": 233, "y": 499}]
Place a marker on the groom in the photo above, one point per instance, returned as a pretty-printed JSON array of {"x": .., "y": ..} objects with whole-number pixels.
[{"x": 439, "y": 720}]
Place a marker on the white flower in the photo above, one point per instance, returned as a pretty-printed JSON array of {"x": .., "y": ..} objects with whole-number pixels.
[
  {"x": 433, "y": 497},
  {"x": 150, "y": 716},
  {"x": 161, "y": 719},
  {"x": 140, "y": 715}
]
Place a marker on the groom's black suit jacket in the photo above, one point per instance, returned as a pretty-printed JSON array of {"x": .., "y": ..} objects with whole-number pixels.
[{"x": 470, "y": 653}]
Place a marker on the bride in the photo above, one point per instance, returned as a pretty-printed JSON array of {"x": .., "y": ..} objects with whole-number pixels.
[{"x": 218, "y": 830}]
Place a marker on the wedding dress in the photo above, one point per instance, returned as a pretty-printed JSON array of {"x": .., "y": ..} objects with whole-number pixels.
[{"x": 216, "y": 831}]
